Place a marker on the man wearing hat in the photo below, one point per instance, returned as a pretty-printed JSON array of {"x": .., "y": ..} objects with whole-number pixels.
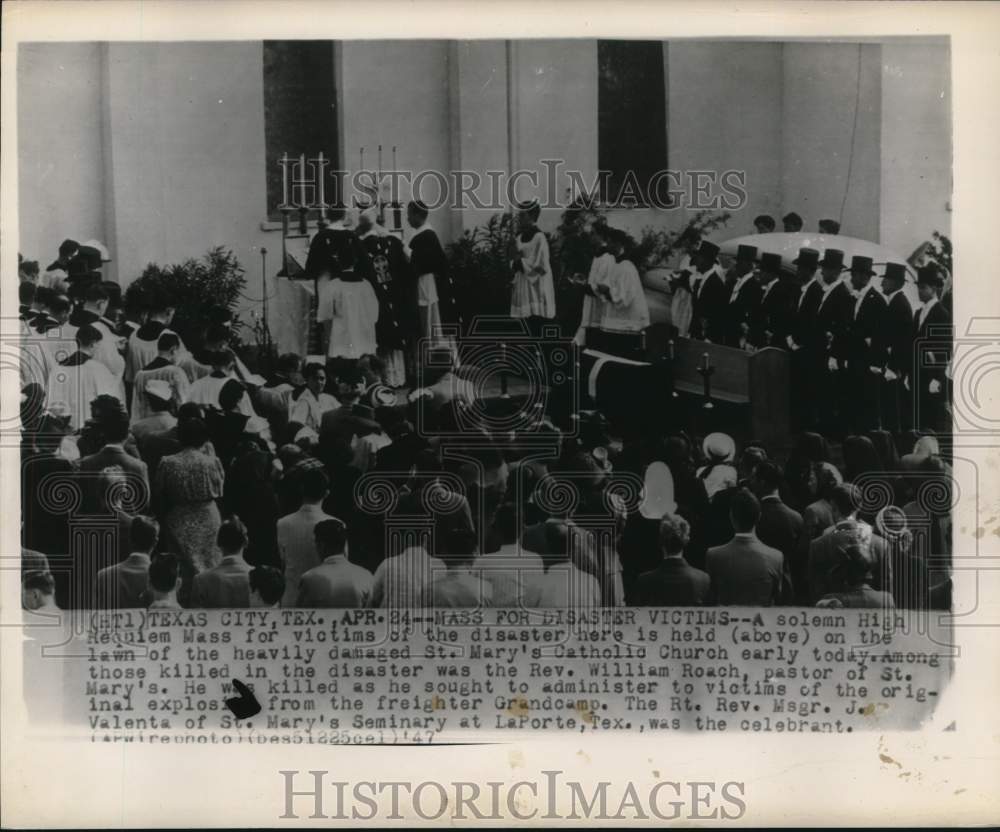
[
  {"x": 708, "y": 295},
  {"x": 865, "y": 349},
  {"x": 792, "y": 222},
  {"x": 83, "y": 269},
  {"x": 896, "y": 408},
  {"x": 929, "y": 381},
  {"x": 57, "y": 272},
  {"x": 744, "y": 294},
  {"x": 802, "y": 340},
  {"x": 829, "y": 227},
  {"x": 770, "y": 319},
  {"x": 833, "y": 316}
]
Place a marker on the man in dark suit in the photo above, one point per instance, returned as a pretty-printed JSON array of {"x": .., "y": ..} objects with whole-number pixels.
[
  {"x": 802, "y": 340},
  {"x": 833, "y": 316},
  {"x": 770, "y": 319},
  {"x": 898, "y": 349},
  {"x": 826, "y": 551},
  {"x": 929, "y": 382},
  {"x": 124, "y": 585},
  {"x": 114, "y": 454},
  {"x": 744, "y": 294},
  {"x": 708, "y": 296},
  {"x": 674, "y": 583},
  {"x": 227, "y": 585},
  {"x": 780, "y": 527},
  {"x": 744, "y": 571},
  {"x": 865, "y": 349}
]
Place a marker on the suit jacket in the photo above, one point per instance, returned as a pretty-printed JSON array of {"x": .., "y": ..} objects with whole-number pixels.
[
  {"x": 824, "y": 575},
  {"x": 738, "y": 308},
  {"x": 674, "y": 583},
  {"x": 899, "y": 335},
  {"x": 298, "y": 547},
  {"x": 866, "y": 333},
  {"x": 109, "y": 455},
  {"x": 123, "y": 586},
  {"x": 745, "y": 572},
  {"x": 782, "y": 528},
  {"x": 834, "y": 316},
  {"x": 937, "y": 351},
  {"x": 224, "y": 586},
  {"x": 582, "y": 547},
  {"x": 709, "y": 301},
  {"x": 805, "y": 317},
  {"x": 773, "y": 314}
]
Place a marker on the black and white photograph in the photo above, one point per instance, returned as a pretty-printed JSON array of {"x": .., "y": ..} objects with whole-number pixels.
[{"x": 425, "y": 396}]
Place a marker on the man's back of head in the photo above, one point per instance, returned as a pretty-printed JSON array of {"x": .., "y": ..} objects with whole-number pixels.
[
  {"x": 143, "y": 534},
  {"x": 232, "y": 536},
  {"x": 315, "y": 485},
  {"x": 331, "y": 537},
  {"x": 844, "y": 499},
  {"x": 744, "y": 511},
  {"x": 164, "y": 573}
]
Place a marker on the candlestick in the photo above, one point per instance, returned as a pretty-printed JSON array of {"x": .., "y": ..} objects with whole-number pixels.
[
  {"x": 302, "y": 181},
  {"x": 322, "y": 185},
  {"x": 284, "y": 178},
  {"x": 704, "y": 361}
]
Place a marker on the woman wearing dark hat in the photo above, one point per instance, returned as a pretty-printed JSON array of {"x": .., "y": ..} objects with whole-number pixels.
[{"x": 533, "y": 294}]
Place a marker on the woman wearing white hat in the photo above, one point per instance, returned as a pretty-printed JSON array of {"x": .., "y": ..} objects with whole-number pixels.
[{"x": 719, "y": 472}]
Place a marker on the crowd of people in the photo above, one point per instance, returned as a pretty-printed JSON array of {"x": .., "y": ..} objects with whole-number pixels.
[{"x": 313, "y": 487}]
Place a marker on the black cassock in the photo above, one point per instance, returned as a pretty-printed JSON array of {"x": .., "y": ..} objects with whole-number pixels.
[
  {"x": 397, "y": 320},
  {"x": 428, "y": 257}
]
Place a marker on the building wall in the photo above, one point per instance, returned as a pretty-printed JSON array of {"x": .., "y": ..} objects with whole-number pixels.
[
  {"x": 60, "y": 163},
  {"x": 158, "y": 149},
  {"x": 916, "y": 158},
  {"x": 818, "y": 110}
]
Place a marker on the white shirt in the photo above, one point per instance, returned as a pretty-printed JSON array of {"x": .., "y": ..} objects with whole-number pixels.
[
  {"x": 566, "y": 587},
  {"x": 309, "y": 410},
  {"x": 512, "y": 574},
  {"x": 405, "y": 580},
  {"x": 298, "y": 547},
  {"x": 205, "y": 391}
]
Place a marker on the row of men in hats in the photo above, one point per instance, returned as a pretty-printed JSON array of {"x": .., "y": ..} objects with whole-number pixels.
[
  {"x": 791, "y": 223},
  {"x": 862, "y": 358}
]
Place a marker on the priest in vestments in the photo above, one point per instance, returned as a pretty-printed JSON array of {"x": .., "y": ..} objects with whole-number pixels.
[
  {"x": 80, "y": 378},
  {"x": 435, "y": 299},
  {"x": 397, "y": 325}
]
